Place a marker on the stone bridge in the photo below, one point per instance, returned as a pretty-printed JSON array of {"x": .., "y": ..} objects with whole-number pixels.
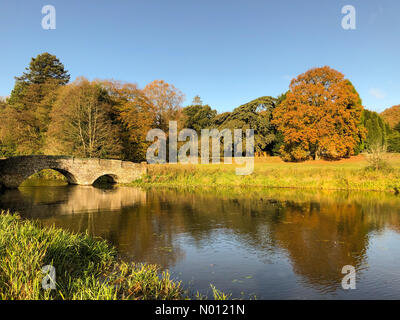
[{"x": 14, "y": 170}]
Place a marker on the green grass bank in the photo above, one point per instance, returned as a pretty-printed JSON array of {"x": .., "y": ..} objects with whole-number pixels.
[
  {"x": 347, "y": 174},
  {"x": 86, "y": 268}
]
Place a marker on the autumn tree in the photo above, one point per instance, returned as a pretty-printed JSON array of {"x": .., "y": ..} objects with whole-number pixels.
[
  {"x": 81, "y": 123},
  {"x": 392, "y": 115},
  {"x": 27, "y": 117},
  {"x": 30, "y": 103},
  {"x": 134, "y": 114},
  {"x": 320, "y": 116},
  {"x": 7, "y": 143},
  {"x": 166, "y": 101}
]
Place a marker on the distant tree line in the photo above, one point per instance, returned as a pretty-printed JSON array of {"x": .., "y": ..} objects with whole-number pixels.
[{"x": 320, "y": 116}]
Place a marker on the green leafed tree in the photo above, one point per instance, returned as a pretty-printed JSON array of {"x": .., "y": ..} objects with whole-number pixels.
[
  {"x": 220, "y": 118},
  {"x": 279, "y": 137},
  {"x": 197, "y": 101},
  {"x": 394, "y": 139},
  {"x": 377, "y": 128},
  {"x": 198, "y": 117},
  {"x": 257, "y": 115},
  {"x": 45, "y": 66}
]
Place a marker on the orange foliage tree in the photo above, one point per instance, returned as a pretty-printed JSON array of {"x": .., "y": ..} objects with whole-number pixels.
[
  {"x": 320, "y": 117},
  {"x": 135, "y": 115},
  {"x": 82, "y": 124},
  {"x": 166, "y": 101},
  {"x": 392, "y": 115}
]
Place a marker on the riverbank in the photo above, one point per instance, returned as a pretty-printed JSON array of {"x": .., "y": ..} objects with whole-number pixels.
[
  {"x": 346, "y": 174},
  {"x": 86, "y": 268}
]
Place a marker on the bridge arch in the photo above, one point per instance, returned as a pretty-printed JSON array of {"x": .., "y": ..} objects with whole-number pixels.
[
  {"x": 71, "y": 179},
  {"x": 106, "y": 178},
  {"x": 29, "y": 172}
]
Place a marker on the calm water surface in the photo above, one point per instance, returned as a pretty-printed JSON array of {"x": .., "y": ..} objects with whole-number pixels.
[{"x": 271, "y": 244}]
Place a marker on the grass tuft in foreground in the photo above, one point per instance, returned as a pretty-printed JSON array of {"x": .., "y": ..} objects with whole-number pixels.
[{"x": 86, "y": 268}]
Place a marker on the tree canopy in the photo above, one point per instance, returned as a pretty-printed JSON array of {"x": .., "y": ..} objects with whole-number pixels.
[
  {"x": 166, "y": 101},
  {"x": 44, "y": 67},
  {"x": 197, "y": 101},
  {"x": 257, "y": 115},
  {"x": 392, "y": 115},
  {"x": 135, "y": 116},
  {"x": 81, "y": 123},
  {"x": 27, "y": 114},
  {"x": 377, "y": 128},
  {"x": 198, "y": 117},
  {"x": 320, "y": 116}
]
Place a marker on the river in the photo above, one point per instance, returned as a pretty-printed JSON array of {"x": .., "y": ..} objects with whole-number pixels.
[{"x": 253, "y": 243}]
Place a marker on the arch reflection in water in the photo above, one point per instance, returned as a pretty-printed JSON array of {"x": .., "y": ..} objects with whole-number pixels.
[
  {"x": 274, "y": 243},
  {"x": 38, "y": 202}
]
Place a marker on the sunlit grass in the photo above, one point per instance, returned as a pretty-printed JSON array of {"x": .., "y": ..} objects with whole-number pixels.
[
  {"x": 347, "y": 174},
  {"x": 86, "y": 268}
]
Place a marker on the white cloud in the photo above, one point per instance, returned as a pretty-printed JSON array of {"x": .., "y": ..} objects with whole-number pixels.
[
  {"x": 377, "y": 93},
  {"x": 287, "y": 77}
]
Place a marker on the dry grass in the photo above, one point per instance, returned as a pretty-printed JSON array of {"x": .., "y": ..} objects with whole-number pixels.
[{"x": 346, "y": 174}]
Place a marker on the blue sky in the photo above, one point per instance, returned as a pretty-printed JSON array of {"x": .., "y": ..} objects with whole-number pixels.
[{"x": 228, "y": 52}]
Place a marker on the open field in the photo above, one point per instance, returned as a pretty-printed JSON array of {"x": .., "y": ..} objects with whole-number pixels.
[{"x": 346, "y": 174}]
